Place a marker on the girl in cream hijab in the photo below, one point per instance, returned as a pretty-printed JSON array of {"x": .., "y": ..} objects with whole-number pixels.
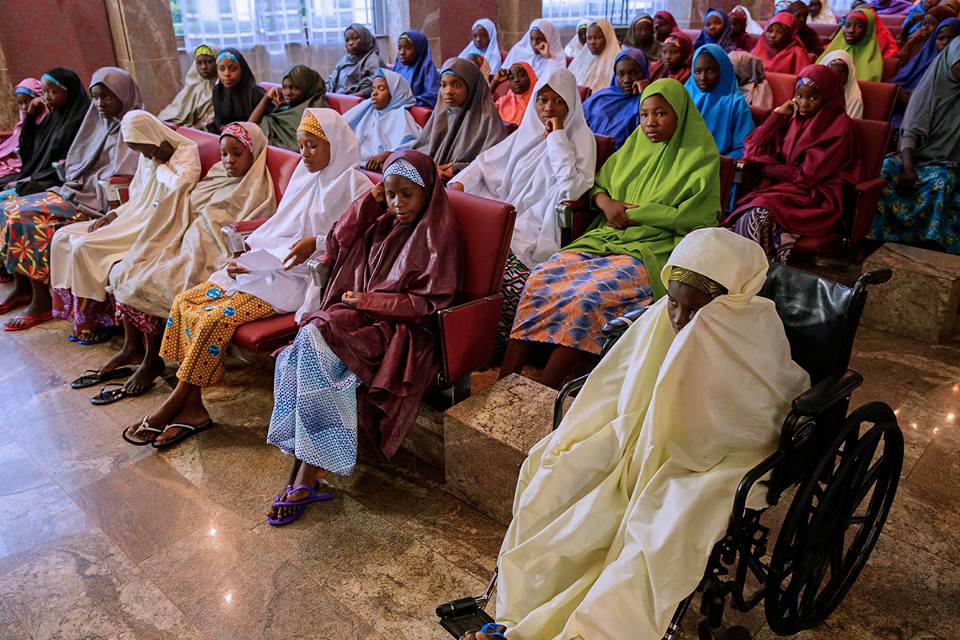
[
  {"x": 690, "y": 398},
  {"x": 593, "y": 64},
  {"x": 842, "y": 62}
]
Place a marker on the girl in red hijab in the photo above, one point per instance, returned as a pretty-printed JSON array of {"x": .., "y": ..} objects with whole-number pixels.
[
  {"x": 372, "y": 350},
  {"x": 805, "y": 151},
  {"x": 675, "y": 55},
  {"x": 664, "y": 25},
  {"x": 780, "y": 48}
]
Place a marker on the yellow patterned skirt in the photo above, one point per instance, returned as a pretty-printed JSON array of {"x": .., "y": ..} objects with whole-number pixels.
[{"x": 200, "y": 326}]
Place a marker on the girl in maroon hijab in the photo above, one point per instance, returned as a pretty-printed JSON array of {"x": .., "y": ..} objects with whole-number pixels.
[
  {"x": 372, "y": 350},
  {"x": 675, "y": 58},
  {"x": 664, "y": 24},
  {"x": 780, "y": 48},
  {"x": 805, "y": 151}
]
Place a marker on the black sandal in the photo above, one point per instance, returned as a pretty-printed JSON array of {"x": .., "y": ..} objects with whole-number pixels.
[
  {"x": 188, "y": 430},
  {"x": 92, "y": 377},
  {"x": 143, "y": 426},
  {"x": 115, "y": 395}
]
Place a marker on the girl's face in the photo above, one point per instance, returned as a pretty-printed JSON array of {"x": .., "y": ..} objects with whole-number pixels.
[
  {"x": 551, "y": 104},
  {"x": 519, "y": 80},
  {"x": 352, "y": 42},
  {"x": 706, "y": 72},
  {"x": 842, "y": 70},
  {"x": 292, "y": 94},
  {"x": 643, "y": 32},
  {"x": 53, "y": 96},
  {"x": 228, "y": 72},
  {"x": 235, "y": 157},
  {"x": 314, "y": 151},
  {"x": 738, "y": 24},
  {"x": 406, "y": 51},
  {"x": 23, "y": 101},
  {"x": 801, "y": 13},
  {"x": 815, "y": 7},
  {"x": 661, "y": 27},
  {"x": 809, "y": 101},
  {"x": 380, "y": 93},
  {"x": 206, "y": 66},
  {"x": 684, "y": 302},
  {"x": 596, "y": 41},
  {"x": 159, "y": 154},
  {"x": 107, "y": 104},
  {"x": 671, "y": 56},
  {"x": 927, "y": 25},
  {"x": 405, "y": 198},
  {"x": 537, "y": 39},
  {"x": 930, "y": 4},
  {"x": 453, "y": 90},
  {"x": 582, "y": 35},
  {"x": 777, "y": 36},
  {"x": 481, "y": 39},
  {"x": 713, "y": 26},
  {"x": 658, "y": 119},
  {"x": 944, "y": 37},
  {"x": 853, "y": 30},
  {"x": 627, "y": 72}
]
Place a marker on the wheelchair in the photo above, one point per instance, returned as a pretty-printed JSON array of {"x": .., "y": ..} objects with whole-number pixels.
[{"x": 844, "y": 467}]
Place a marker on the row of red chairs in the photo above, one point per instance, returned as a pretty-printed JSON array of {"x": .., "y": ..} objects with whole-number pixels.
[{"x": 878, "y": 97}]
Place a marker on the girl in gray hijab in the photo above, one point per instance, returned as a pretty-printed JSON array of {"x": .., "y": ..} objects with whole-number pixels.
[
  {"x": 922, "y": 196},
  {"x": 97, "y": 154},
  {"x": 354, "y": 72}
]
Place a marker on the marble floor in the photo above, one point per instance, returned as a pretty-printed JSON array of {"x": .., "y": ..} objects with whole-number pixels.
[{"x": 99, "y": 539}]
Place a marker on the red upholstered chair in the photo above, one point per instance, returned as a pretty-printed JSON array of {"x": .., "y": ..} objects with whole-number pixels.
[
  {"x": 266, "y": 86},
  {"x": 281, "y": 164},
  {"x": 825, "y": 31},
  {"x": 890, "y": 66},
  {"x": 421, "y": 114},
  {"x": 760, "y": 114},
  {"x": 501, "y": 90},
  {"x": 341, "y": 103},
  {"x": 584, "y": 92},
  {"x": 208, "y": 145},
  {"x": 878, "y": 99},
  {"x": 583, "y": 215},
  {"x": 894, "y": 23},
  {"x": 783, "y": 86},
  {"x": 693, "y": 34}
]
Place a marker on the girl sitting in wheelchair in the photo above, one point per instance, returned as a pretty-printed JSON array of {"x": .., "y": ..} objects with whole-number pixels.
[{"x": 616, "y": 512}]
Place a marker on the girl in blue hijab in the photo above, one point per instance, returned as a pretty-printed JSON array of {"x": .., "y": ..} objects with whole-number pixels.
[
  {"x": 908, "y": 77},
  {"x": 716, "y": 30},
  {"x": 714, "y": 89},
  {"x": 615, "y": 110},
  {"x": 415, "y": 63}
]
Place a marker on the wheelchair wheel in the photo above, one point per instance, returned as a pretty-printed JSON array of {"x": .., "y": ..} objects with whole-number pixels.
[{"x": 834, "y": 521}]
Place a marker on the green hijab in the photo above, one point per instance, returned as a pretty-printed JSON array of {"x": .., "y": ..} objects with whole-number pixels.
[
  {"x": 866, "y": 54},
  {"x": 280, "y": 126},
  {"x": 675, "y": 185}
]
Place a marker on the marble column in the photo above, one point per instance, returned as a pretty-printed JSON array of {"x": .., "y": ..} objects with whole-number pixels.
[{"x": 142, "y": 33}]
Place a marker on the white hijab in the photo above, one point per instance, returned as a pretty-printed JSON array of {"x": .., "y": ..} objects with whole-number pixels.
[
  {"x": 492, "y": 53},
  {"x": 311, "y": 203},
  {"x": 851, "y": 92},
  {"x": 534, "y": 173},
  {"x": 389, "y": 129},
  {"x": 523, "y": 52},
  {"x": 574, "y": 46},
  {"x": 595, "y": 71},
  {"x": 754, "y": 28},
  {"x": 666, "y": 418}
]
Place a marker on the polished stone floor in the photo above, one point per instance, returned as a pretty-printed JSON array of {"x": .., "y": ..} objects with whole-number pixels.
[{"x": 99, "y": 539}]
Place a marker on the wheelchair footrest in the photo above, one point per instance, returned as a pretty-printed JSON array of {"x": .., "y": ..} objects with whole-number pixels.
[{"x": 463, "y": 615}]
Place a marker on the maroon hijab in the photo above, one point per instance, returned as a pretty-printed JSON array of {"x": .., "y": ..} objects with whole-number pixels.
[
  {"x": 804, "y": 161},
  {"x": 405, "y": 274}
]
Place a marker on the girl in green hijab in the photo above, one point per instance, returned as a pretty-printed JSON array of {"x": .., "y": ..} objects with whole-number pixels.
[
  {"x": 663, "y": 183},
  {"x": 858, "y": 37},
  {"x": 302, "y": 88}
]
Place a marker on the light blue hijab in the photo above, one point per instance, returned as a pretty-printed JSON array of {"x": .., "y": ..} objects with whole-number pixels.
[
  {"x": 723, "y": 109},
  {"x": 389, "y": 129}
]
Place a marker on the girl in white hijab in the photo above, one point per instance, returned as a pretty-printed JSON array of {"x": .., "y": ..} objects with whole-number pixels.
[
  {"x": 576, "y": 44},
  {"x": 690, "y": 398},
  {"x": 382, "y": 122},
  {"x": 754, "y": 28},
  {"x": 841, "y": 62},
  {"x": 540, "y": 48},
  {"x": 491, "y": 52},
  {"x": 593, "y": 65},
  {"x": 269, "y": 278},
  {"x": 83, "y": 253}
]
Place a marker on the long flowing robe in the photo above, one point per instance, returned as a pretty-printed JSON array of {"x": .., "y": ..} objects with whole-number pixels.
[
  {"x": 789, "y": 59},
  {"x": 193, "y": 104},
  {"x": 592, "y": 70},
  {"x": 865, "y": 53},
  {"x": 492, "y": 53},
  {"x": 422, "y": 74},
  {"x": 725, "y": 41},
  {"x": 182, "y": 247},
  {"x": 353, "y": 74},
  {"x": 852, "y": 96},
  {"x": 751, "y": 76},
  {"x": 523, "y": 51},
  {"x": 280, "y": 125},
  {"x": 405, "y": 274},
  {"x": 80, "y": 259},
  {"x": 909, "y": 75},
  {"x": 389, "y": 129},
  {"x": 610, "y": 111},
  {"x": 723, "y": 108},
  {"x": 534, "y": 172},
  {"x": 616, "y": 512}
]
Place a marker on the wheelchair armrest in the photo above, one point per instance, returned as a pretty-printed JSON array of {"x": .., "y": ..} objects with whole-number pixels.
[
  {"x": 827, "y": 393},
  {"x": 612, "y": 330},
  {"x": 565, "y": 391}
]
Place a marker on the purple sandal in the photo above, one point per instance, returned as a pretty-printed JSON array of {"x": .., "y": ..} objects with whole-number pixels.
[{"x": 299, "y": 506}]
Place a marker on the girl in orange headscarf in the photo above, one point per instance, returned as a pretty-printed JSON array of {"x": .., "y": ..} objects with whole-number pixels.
[{"x": 513, "y": 103}]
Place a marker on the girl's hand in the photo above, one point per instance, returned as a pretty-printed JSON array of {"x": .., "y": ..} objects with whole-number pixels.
[
  {"x": 639, "y": 86},
  {"x": 445, "y": 171},
  {"x": 788, "y": 108},
  {"x": 35, "y": 107},
  {"x": 234, "y": 269},
  {"x": 276, "y": 95},
  {"x": 543, "y": 48},
  {"x": 350, "y": 298},
  {"x": 102, "y": 222},
  {"x": 300, "y": 252},
  {"x": 614, "y": 210},
  {"x": 456, "y": 186},
  {"x": 378, "y": 195},
  {"x": 375, "y": 163},
  {"x": 551, "y": 124},
  {"x": 907, "y": 182}
]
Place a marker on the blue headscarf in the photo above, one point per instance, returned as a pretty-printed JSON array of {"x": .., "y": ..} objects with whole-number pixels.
[
  {"x": 610, "y": 111},
  {"x": 909, "y": 75},
  {"x": 422, "y": 74},
  {"x": 725, "y": 42},
  {"x": 723, "y": 109}
]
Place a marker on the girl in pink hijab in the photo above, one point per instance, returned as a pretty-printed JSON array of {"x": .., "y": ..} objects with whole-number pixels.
[{"x": 25, "y": 92}]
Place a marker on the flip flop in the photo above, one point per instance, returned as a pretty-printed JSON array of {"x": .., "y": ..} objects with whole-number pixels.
[
  {"x": 313, "y": 495},
  {"x": 143, "y": 426},
  {"x": 100, "y": 336},
  {"x": 16, "y": 303},
  {"x": 92, "y": 377},
  {"x": 279, "y": 522},
  {"x": 31, "y": 321},
  {"x": 188, "y": 430},
  {"x": 106, "y": 397}
]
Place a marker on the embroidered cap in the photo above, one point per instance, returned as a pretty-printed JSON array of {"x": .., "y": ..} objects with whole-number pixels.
[
  {"x": 310, "y": 124},
  {"x": 241, "y": 135},
  {"x": 698, "y": 281},
  {"x": 404, "y": 169},
  {"x": 204, "y": 50}
]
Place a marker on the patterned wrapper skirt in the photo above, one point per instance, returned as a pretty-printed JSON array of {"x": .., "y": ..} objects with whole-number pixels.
[
  {"x": 931, "y": 213},
  {"x": 514, "y": 278},
  {"x": 149, "y": 325},
  {"x": 571, "y": 296},
  {"x": 29, "y": 225},
  {"x": 315, "y": 405},
  {"x": 759, "y": 225},
  {"x": 200, "y": 326},
  {"x": 87, "y": 316}
]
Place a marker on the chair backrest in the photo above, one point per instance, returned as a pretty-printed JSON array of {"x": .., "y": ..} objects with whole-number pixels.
[
  {"x": 208, "y": 146},
  {"x": 341, "y": 103},
  {"x": 825, "y": 31},
  {"x": 872, "y": 139},
  {"x": 890, "y": 66},
  {"x": 783, "y": 86},
  {"x": 421, "y": 114},
  {"x": 270, "y": 85},
  {"x": 760, "y": 114},
  {"x": 584, "y": 92},
  {"x": 280, "y": 164},
  {"x": 693, "y": 34},
  {"x": 604, "y": 148},
  {"x": 878, "y": 99},
  {"x": 894, "y": 22}
]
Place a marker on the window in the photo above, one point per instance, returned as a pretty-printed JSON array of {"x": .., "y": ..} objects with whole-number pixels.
[{"x": 568, "y": 12}]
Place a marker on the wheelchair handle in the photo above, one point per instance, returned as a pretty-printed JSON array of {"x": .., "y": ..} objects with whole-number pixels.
[{"x": 878, "y": 276}]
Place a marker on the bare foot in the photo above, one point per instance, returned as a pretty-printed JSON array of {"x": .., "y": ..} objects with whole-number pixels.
[
  {"x": 139, "y": 432},
  {"x": 148, "y": 371},
  {"x": 35, "y": 309},
  {"x": 187, "y": 416},
  {"x": 126, "y": 355},
  {"x": 282, "y": 512}
]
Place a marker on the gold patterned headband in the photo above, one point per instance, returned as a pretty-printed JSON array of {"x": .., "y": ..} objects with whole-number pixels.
[
  {"x": 309, "y": 124},
  {"x": 698, "y": 281}
]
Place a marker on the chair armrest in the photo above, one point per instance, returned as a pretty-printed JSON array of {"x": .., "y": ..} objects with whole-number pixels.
[
  {"x": 120, "y": 187},
  {"x": 827, "y": 393},
  {"x": 467, "y": 335},
  {"x": 247, "y": 227},
  {"x": 868, "y": 196},
  {"x": 612, "y": 330},
  {"x": 234, "y": 234},
  {"x": 566, "y": 391}
]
